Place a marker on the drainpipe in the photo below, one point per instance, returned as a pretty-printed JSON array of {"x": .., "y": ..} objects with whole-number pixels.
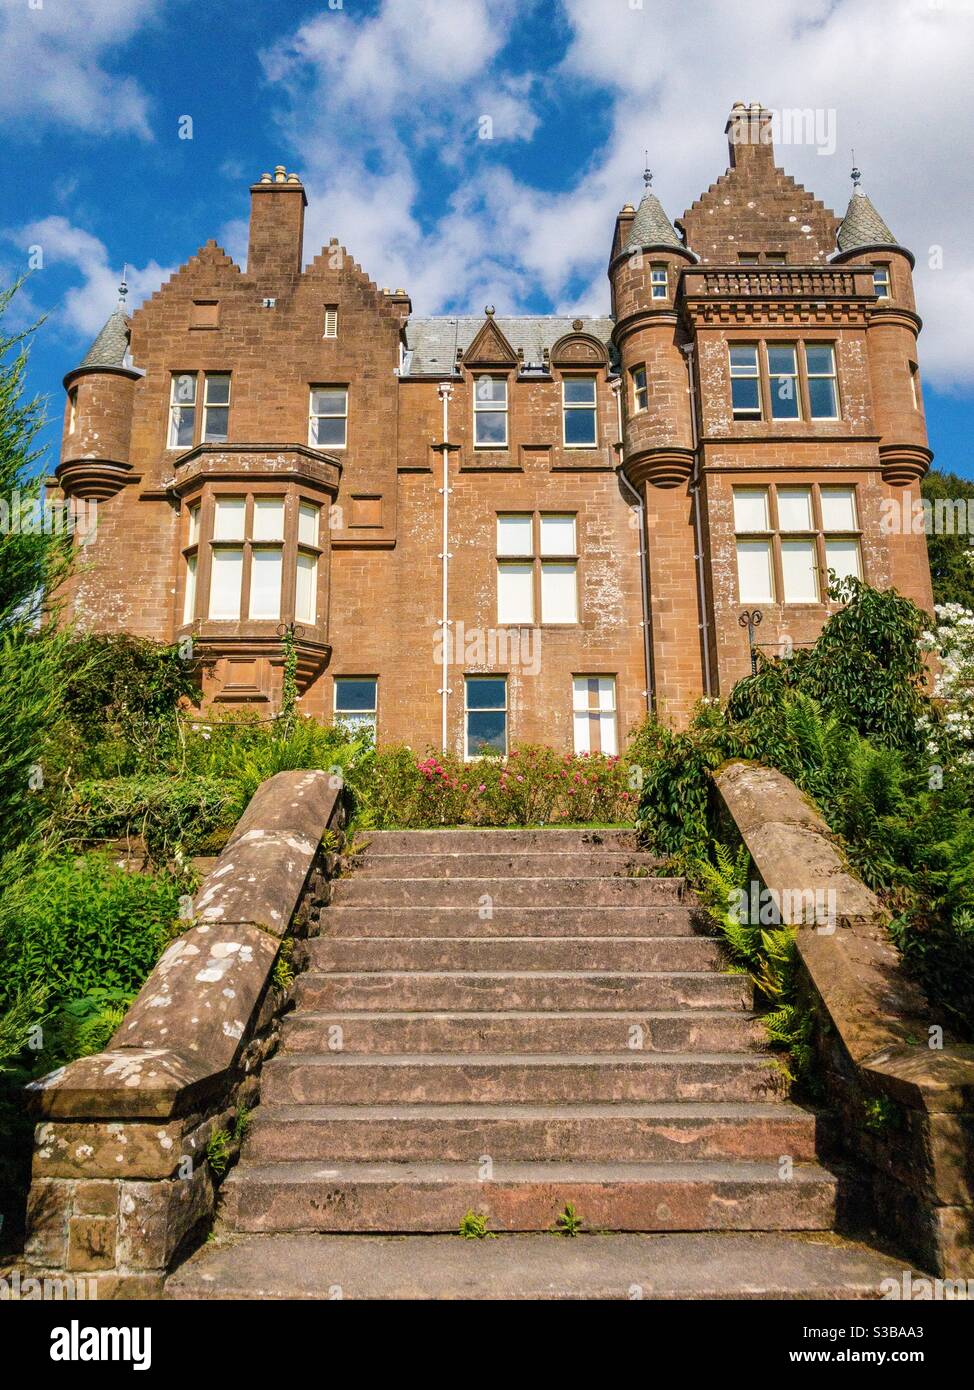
[
  {"x": 643, "y": 556},
  {"x": 687, "y": 350},
  {"x": 445, "y": 390}
]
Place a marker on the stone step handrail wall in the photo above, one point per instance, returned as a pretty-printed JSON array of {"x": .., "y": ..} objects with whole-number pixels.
[
  {"x": 121, "y": 1183},
  {"x": 902, "y": 1092}
]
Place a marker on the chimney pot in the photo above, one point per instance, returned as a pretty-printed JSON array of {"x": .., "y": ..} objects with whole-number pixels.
[
  {"x": 279, "y": 173},
  {"x": 265, "y": 178}
]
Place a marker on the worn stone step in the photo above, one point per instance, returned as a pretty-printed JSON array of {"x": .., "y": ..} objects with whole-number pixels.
[
  {"x": 738, "y": 1196},
  {"x": 506, "y": 892},
  {"x": 683, "y": 919},
  {"x": 615, "y": 1132},
  {"x": 545, "y": 1078},
  {"x": 499, "y": 841},
  {"x": 377, "y": 1034},
  {"x": 551, "y": 953},
  {"x": 700, "y": 1267},
  {"x": 512, "y": 990},
  {"x": 465, "y": 864}
]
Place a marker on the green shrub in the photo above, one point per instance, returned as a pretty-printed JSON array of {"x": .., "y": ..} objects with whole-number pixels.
[
  {"x": 169, "y": 813},
  {"x": 534, "y": 785},
  {"x": 80, "y": 925}
]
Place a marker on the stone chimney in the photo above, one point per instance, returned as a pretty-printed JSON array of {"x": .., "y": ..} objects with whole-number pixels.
[
  {"x": 748, "y": 132},
  {"x": 277, "y": 207}
]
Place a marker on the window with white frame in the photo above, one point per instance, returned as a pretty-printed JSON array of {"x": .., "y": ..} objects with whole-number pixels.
[
  {"x": 247, "y": 545},
  {"x": 184, "y": 401},
  {"x": 182, "y": 410},
  {"x": 537, "y": 568},
  {"x": 490, "y": 412},
  {"x": 485, "y": 716},
  {"x": 783, "y": 381},
  {"x": 881, "y": 282},
  {"x": 356, "y": 702},
  {"x": 745, "y": 381},
  {"x": 659, "y": 281},
  {"x": 216, "y": 407},
  {"x": 579, "y": 411},
  {"x": 915, "y": 385},
  {"x": 72, "y": 410},
  {"x": 791, "y": 381},
  {"x": 788, "y": 537},
  {"x": 306, "y": 580},
  {"x": 328, "y": 417},
  {"x": 331, "y": 321},
  {"x": 823, "y": 394},
  {"x": 594, "y": 714},
  {"x": 640, "y": 391}
]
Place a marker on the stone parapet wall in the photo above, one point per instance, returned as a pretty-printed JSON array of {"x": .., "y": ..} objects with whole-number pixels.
[
  {"x": 121, "y": 1181},
  {"x": 901, "y": 1091}
]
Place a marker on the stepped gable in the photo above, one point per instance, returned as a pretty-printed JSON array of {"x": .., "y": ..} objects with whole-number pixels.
[{"x": 755, "y": 206}]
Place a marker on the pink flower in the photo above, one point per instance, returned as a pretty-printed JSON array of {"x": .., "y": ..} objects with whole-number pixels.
[
  {"x": 482, "y": 787},
  {"x": 520, "y": 778}
]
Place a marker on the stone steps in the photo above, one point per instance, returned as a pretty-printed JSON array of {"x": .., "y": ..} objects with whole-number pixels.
[
  {"x": 414, "y": 1197},
  {"x": 464, "y": 864},
  {"x": 510, "y": 990},
  {"x": 508, "y": 1022},
  {"x": 501, "y": 841},
  {"x": 593, "y": 1133},
  {"x": 556, "y": 955},
  {"x": 704, "y": 1267},
  {"x": 675, "y": 920},
  {"x": 316, "y": 1079},
  {"x": 378, "y": 1034},
  {"x": 507, "y": 892}
]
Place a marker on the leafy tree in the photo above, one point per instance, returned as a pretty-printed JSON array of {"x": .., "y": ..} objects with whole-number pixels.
[{"x": 951, "y": 555}]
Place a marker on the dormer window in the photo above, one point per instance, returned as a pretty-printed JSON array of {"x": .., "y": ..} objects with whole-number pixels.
[
  {"x": 659, "y": 281},
  {"x": 490, "y": 412}
]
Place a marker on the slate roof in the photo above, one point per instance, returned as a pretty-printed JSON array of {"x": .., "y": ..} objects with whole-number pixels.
[
  {"x": 112, "y": 344},
  {"x": 863, "y": 226},
  {"x": 431, "y": 343},
  {"x": 651, "y": 226}
]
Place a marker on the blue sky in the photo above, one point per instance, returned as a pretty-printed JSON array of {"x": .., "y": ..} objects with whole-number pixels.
[{"x": 380, "y": 106}]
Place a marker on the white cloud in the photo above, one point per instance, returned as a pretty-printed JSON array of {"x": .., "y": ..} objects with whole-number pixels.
[
  {"x": 84, "y": 308},
  {"x": 55, "y": 64},
  {"x": 372, "y": 98}
]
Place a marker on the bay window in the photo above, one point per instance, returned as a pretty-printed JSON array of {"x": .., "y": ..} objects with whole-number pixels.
[{"x": 251, "y": 557}]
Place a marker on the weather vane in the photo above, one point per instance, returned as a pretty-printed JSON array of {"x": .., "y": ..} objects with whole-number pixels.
[{"x": 647, "y": 171}]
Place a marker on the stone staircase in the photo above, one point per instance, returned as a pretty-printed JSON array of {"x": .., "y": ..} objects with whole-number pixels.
[{"x": 508, "y": 1022}]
